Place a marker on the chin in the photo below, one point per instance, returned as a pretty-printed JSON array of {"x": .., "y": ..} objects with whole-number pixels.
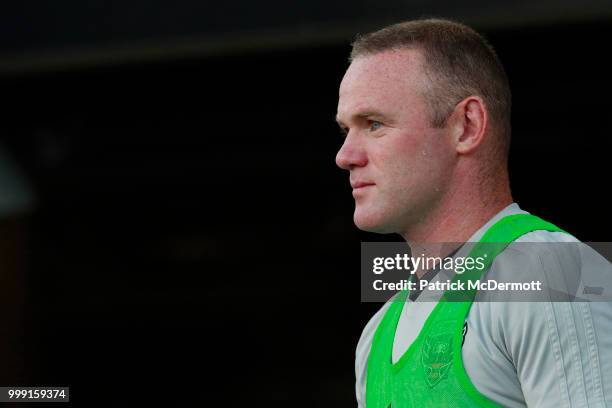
[{"x": 372, "y": 223}]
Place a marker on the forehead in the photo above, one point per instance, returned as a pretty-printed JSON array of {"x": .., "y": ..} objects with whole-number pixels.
[{"x": 389, "y": 80}]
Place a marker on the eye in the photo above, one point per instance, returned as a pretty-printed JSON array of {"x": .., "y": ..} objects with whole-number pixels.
[
  {"x": 343, "y": 132},
  {"x": 375, "y": 125}
]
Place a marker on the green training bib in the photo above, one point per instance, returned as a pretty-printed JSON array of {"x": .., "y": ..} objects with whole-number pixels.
[{"x": 431, "y": 371}]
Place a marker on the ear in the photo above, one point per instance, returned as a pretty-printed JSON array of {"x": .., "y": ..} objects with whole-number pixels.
[{"x": 468, "y": 124}]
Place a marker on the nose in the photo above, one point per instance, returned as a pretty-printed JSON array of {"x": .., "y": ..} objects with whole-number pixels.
[{"x": 351, "y": 154}]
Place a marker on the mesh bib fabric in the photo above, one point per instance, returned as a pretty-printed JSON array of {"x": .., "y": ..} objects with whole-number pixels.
[{"x": 431, "y": 371}]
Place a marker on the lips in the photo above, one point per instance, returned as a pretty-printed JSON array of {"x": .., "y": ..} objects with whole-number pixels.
[{"x": 360, "y": 184}]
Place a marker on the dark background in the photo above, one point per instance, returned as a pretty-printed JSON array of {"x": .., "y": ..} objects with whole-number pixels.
[{"x": 192, "y": 240}]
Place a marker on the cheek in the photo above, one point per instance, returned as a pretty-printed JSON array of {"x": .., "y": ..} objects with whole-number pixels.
[
  {"x": 402, "y": 157},
  {"x": 408, "y": 168}
]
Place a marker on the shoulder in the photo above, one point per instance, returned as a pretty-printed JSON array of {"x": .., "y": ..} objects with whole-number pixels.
[
  {"x": 567, "y": 268},
  {"x": 529, "y": 256}
]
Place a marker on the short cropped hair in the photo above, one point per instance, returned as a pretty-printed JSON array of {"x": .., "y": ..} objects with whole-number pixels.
[{"x": 458, "y": 62}]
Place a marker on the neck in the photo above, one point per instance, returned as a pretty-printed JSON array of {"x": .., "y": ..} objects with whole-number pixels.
[{"x": 455, "y": 219}]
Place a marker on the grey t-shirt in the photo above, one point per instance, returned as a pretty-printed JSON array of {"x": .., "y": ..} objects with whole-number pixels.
[{"x": 519, "y": 354}]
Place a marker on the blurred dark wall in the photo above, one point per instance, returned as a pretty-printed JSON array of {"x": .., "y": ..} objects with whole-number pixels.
[
  {"x": 193, "y": 239},
  {"x": 38, "y": 36}
]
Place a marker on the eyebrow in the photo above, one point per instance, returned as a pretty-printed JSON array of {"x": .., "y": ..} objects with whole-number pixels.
[
  {"x": 340, "y": 123},
  {"x": 369, "y": 114}
]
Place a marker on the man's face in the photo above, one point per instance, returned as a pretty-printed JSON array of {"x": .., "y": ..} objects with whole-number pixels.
[{"x": 399, "y": 165}]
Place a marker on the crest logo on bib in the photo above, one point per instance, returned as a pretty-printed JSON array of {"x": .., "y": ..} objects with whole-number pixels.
[{"x": 437, "y": 354}]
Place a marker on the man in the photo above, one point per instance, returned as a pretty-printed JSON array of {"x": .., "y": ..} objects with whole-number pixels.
[{"x": 425, "y": 109}]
